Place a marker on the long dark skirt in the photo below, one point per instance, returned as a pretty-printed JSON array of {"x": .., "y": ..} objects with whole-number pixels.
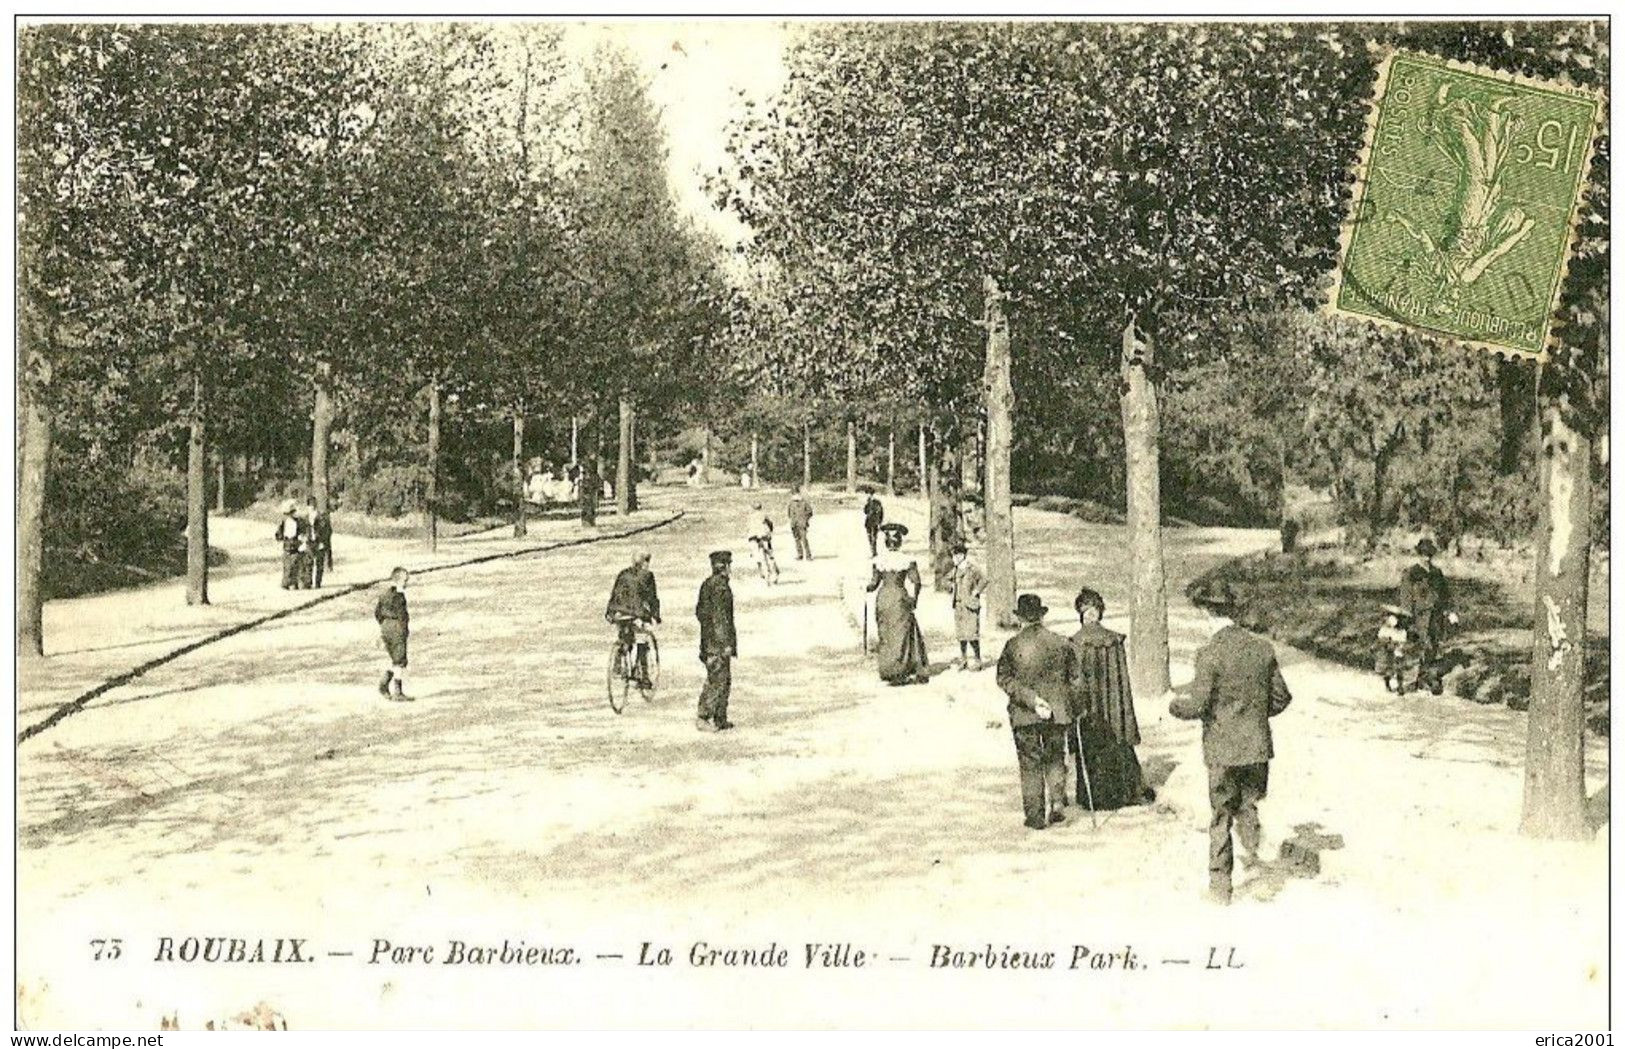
[
  {"x": 900, "y": 647},
  {"x": 1115, "y": 778}
]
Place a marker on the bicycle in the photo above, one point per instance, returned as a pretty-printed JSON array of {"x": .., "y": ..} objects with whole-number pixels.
[
  {"x": 765, "y": 562},
  {"x": 623, "y": 665}
]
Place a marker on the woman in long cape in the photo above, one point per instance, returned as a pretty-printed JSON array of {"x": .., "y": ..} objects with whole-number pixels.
[{"x": 1103, "y": 738}]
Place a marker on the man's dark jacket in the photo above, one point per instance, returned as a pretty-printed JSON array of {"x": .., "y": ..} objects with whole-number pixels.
[
  {"x": 1237, "y": 689},
  {"x": 1037, "y": 664},
  {"x": 634, "y": 595},
  {"x": 715, "y": 611}
]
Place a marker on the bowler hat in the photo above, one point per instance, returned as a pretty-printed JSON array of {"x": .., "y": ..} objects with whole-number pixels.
[
  {"x": 1214, "y": 595},
  {"x": 1426, "y": 547},
  {"x": 721, "y": 557},
  {"x": 1030, "y": 608}
]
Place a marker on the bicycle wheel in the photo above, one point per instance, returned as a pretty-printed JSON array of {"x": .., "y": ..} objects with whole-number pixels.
[
  {"x": 619, "y": 683},
  {"x": 648, "y": 693}
]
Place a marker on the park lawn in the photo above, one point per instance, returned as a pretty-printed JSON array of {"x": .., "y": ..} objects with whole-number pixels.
[{"x": 1329, "y": 603}]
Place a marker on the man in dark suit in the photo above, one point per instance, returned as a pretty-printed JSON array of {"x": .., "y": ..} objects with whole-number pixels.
[
  {"x": 1237, "y": 689},
  {"x": 800, "y": 515},
  {"x": 1038, "y": 670},
  {"x": 718, "y": 644},
  {"x": 1424, "y": 593},
  {"x": 874, "y": 515}
]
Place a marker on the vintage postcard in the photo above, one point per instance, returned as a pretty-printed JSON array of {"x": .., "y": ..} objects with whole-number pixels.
[{"x": 754, "y": 523}]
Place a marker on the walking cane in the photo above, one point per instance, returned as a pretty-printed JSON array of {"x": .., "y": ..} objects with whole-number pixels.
[
  {"x": 866, "y": 625},
  {"x": 1083, "y": 767}
]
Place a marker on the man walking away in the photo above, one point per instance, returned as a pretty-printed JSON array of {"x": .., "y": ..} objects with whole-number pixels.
[
  {"x": 718, "y": 644},
  {"x": 1237, "y": 689},
  {"x": 800, "y": 515},
  {"x": 874, "y": 515},
  {"x": 1038, "y": 670},
  {"x": 394, "y": 625},
  {"x": 288, "y": 532}
]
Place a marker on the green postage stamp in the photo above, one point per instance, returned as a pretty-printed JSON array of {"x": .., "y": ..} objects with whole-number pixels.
[{"x": 1465, "y": 202}]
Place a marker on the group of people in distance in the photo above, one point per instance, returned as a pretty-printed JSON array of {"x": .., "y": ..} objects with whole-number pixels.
[{"x": 306, "y": 537}]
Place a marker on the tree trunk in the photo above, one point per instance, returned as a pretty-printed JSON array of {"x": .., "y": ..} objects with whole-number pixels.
[
  {"x": 925, "y": 472},
  {"x": 219, "y": 480},
  {"x": 851, "y": 455},
  {"x": 1554, "y": 769},
  {"x": 999, "y": 401},
  {"x": 891, "y": 461},
  {"x": 1148, "y": 599},
  {"x": 944, "y": 530},
  {"x": 705, "y": 456},
  {"x": 575, "y": 430},
  {"x": 632, "y": 477},
  {"x": 520, "y": 527},
  {"x": 806, "y": 455},
  {"x": 197, "y": 498},
  {"x": 321, "y": 427},
  {"x": 623, "y": 462},
  {"x": 591, "y": 480},
  {"x": 33, "y": 473},
  {"x": 969, "y": 474},
  {"x": 755, "y": 453},
  {"x": 431, "y": 498}
]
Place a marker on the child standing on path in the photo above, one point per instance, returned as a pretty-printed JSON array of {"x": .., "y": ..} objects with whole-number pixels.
[{"x": 394, "y": 626}]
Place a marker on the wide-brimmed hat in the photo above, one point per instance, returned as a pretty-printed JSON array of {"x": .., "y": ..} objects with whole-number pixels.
[
  {"x": 721, "y": 557},
  {"x": 894, "y": 527},
  {"x": 1426, "y": 547},
  {"x": 1395, "y": 610},
  {"x": 1214, "y": 595},
  {"x": 289, "y": 506},
  {"x": 1030, "y": 608}
]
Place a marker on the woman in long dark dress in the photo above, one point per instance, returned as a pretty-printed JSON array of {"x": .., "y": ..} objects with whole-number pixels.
[
  {"x": 895, "y": 581},
  {"x": 1103, "y": 738}
]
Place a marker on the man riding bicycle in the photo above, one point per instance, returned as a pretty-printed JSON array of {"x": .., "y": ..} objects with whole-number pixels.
[{"x": 633, "y": 600}]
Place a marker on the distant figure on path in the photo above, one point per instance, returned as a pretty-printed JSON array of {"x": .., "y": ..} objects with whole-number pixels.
[
  {"x": 694, "y": 473},
  {"x": 1424, "y": 593},
  {"x": 318, "y": 546},
  {"x": 718, "y": 644},
  {"x": 968, "y": 585},
  {"x": 633, "y": 599},
  {"x": 1038, "y": 670},
  {"x": 895, "y": 581},
  {"x": 874, "y": 515},
  {"x": 800, "y": 514},
  {"x": 745, "y": 479},
  {"x": 394, "y": 625},
  {"x": 1104, "y": 729},
  {"x": 759, "y": 534},
  {"x": 290, "y": 533},
  {"x": 1237, "y": 689}
]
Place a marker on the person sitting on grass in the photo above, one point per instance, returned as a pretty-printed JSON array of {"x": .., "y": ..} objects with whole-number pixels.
[{"x": 394, "y": 626}]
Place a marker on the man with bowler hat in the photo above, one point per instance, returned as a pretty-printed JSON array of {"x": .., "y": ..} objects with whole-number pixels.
[
  {"x": 718, "y": 644},
  {"x": 1237, "y": 689},
  {"x": 1038, "y": 670},
  {"x": 1424, "y": 594}
]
